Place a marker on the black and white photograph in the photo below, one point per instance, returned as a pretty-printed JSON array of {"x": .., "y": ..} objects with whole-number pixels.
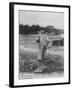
[
  {"x": 41, "y": 44},
  {"x": 40, "y": 54}
]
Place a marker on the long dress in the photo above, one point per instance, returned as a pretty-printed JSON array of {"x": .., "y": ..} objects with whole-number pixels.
[{"x": 42, "y": 46}]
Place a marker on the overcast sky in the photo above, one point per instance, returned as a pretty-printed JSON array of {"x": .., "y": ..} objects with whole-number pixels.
[{"x": 42, "y": 18}]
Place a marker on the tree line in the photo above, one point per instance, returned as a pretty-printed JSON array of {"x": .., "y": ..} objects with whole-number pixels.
[{"x": 34, "y": 29}]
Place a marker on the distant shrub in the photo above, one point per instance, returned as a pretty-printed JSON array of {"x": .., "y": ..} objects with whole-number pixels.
[{"x": 34, "y": 29}]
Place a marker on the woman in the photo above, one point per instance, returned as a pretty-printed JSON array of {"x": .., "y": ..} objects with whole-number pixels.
[{"x": 42, "y": 41}]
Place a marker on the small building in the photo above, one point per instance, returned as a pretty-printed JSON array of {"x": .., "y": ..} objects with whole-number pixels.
[{"x": 56, "y": 40}]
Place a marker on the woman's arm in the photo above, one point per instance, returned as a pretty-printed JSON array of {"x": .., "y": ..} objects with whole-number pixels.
[{"x": 38, "y": 39}]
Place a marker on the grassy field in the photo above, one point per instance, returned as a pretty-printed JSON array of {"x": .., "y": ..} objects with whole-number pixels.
[{"x": 28, "y": 54}]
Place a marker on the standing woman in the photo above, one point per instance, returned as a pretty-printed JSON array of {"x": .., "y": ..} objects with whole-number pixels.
[{"x": 42, "y": 41}]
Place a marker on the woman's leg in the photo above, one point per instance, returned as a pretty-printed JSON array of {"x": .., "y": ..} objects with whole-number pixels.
[
  {"x": 39, "y": 53},
  {"x": 43, "y": 52}
]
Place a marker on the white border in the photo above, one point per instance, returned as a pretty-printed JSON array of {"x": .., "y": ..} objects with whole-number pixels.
[{"x": 16, "y": 46}]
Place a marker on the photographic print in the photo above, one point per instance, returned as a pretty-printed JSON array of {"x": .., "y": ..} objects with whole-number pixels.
[{"x": 41, "y": 44}]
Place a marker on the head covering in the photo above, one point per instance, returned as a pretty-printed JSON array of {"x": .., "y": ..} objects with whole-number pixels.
[{"x": 42, "y": 31}]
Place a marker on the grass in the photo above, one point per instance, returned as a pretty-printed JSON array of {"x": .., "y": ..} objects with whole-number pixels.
[{"x": 29, "y": 64}]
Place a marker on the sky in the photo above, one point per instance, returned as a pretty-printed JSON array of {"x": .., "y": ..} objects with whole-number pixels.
[{"x": 42, "y": 18}]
